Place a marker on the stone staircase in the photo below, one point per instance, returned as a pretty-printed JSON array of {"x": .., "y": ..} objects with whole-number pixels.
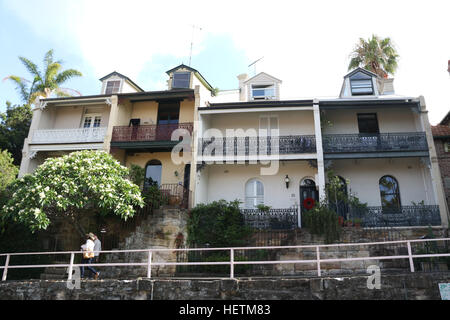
[{"x": 52, "y": 273}]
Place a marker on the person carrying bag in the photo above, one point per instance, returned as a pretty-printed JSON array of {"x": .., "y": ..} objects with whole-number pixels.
[{"x": 88, "y": 255}]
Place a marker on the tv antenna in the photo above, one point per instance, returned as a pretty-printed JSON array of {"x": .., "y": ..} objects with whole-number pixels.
[
  {"x": 254, "y": 64},
  {"x": 192, "y": 41}
]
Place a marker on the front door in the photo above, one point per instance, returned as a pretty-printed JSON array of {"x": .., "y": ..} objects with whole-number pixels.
[{"x": 308, "y": 190}]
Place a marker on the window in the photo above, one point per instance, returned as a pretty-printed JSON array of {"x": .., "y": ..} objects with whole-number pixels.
[
  {"x": 92, "y": 121},
  {"x": 112, "y": 87},
  {"x": 368, "y": 123},
  {"x": 153, "y": 171},
  {"x": 263, "y": 92},
  {"x": 390, "y": 193},
  {"x": 254, "y": 193},
  {"x": 181, "y": 80},
  {"x": 361, "y": 84},
  {"x": 168, "y": 112},
  {"x": 446, "y": 146}
]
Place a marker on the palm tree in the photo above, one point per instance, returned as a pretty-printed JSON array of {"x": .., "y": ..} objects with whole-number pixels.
[
  {"x": 46, "y": 83},
  {"x": 376, "y": 55}
]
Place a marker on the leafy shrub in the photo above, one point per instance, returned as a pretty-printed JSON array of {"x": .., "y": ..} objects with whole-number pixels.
[
  {"x": 218, "y": 224},
  {"x": 321, "y": 220}
]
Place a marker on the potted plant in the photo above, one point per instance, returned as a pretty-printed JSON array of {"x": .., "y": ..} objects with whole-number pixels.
[
  {"x": 348, "y": 223},
  {"x": 357, "y": 223}
]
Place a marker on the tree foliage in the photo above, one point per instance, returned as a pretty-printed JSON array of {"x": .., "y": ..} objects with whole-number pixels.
[
  {"x": 69, "y": 186},
  {"x": 376, "y": 55},
  {"x": 14, "y": 127},
  {"x": 8, "y": 171},
  {"x": 46, "y": 82}
]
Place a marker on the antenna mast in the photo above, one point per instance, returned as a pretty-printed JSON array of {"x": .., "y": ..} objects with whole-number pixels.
[
  {"x": 192, "y": 42},
  {"x": 254, "y": 64}
]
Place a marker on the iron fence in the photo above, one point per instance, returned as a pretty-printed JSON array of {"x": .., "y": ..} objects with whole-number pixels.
[
  {"x": 404, "y": 216},
  {"x": 270, "y": 145},
  {"x": 154, "y": 132},
  {"x": 274, "y": 219},
  {"x": 381, "y": 142}
]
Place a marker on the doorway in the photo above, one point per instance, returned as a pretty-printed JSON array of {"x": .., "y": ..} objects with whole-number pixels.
[{"x": 308, "y": 190}]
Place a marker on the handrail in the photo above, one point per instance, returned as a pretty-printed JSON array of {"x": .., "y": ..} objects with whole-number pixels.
[{"x": 149, "y": 263}]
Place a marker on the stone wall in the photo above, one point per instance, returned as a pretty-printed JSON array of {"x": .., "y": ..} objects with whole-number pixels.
[
  {"x": 165, "y": 228},
  {"x": 411, "y": 286}
]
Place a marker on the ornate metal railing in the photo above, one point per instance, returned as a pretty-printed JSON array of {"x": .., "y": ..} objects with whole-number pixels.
[
  {"x": 69, "y": 135},
  {"x": 275, "y": 219},
  {"x": 174, "y": 194},
  {"x": 405, "y": 216},
  {"x": 240, "y": 146},
  {"x": 382, "y": 142},
  {"x": 156, "y": 132}
]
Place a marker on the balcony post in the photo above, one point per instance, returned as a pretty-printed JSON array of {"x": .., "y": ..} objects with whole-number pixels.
[{"x": 319, "y": 150}]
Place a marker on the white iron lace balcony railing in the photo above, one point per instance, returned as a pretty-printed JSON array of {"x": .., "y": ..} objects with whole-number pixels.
[{"x": 78, "y": 135}]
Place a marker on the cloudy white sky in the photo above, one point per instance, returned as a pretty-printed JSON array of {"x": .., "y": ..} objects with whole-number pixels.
[{"x": 304, "y": 43}]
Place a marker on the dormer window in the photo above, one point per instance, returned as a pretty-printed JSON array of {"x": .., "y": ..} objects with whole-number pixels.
[
  {"x": 181, "y": 80},
  {"x": 263, "y": 92},
  {"x": 112, "y": 86},
  {"x": 361, "y": 84}
]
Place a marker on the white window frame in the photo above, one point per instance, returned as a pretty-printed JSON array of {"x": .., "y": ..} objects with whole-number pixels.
[
  {"x": 92, "y": 115},
  {"x": 270, "y": 85},
  {"x": 254, "y": 197},
  {"x": 111, "y": 80}
]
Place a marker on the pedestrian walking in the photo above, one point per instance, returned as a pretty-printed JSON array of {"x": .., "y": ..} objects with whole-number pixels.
[
  {"x": 97, "y": 249},
  {"x": 88, "y": 255}
]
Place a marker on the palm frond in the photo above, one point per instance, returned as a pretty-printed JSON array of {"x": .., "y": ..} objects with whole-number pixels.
[
  {"x": 66, "y": 75},
  {"x": 31, "y": 67},
  {"x": 21, "y": 86}
]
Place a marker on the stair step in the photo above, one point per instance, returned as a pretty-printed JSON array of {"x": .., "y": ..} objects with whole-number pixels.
[{"x": 45, "y": 276}]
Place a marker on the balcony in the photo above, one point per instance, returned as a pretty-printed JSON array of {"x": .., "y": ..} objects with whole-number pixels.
[
  {"x": 248, "y": 146},
  {"x": 58, "y": 136},
  {"x": 382, "y": 144},
  {"x": 404, "y": 216},
  {"x": 145, "y": 133}
]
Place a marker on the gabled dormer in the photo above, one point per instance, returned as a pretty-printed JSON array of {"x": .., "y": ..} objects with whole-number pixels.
[
  {"x": 184, "y": 77},
  {"x": 360, "y": 82},
  {"x": 260, "y": 87},
  {"x": 118, "y": 83}
]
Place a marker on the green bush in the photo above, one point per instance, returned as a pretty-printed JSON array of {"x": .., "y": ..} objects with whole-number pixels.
[
  {"x": 218, "y": 224},
  {"x": 321, "y": 220}
]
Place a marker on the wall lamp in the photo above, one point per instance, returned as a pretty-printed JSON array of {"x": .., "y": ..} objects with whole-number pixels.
[{"x": 287, "y": 180}]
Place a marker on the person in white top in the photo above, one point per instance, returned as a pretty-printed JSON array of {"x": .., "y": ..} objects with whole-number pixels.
[
  {"x": 88, "y": 255},
  {"x": 97, "y": 248}
]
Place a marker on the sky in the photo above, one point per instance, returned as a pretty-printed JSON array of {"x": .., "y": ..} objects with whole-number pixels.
[{"x": 306, "y": 44}]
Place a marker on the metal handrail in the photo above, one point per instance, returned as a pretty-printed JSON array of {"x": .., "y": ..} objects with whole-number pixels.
[{"x": 232, "y": 261}]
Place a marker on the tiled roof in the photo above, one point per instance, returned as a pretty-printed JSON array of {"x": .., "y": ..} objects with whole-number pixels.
[{"x": 440, "y": 131}]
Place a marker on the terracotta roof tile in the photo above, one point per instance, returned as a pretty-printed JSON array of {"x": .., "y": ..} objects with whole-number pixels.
[{"x": 440, "y": 131}]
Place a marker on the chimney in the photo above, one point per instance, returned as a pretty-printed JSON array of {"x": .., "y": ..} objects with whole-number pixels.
[
  {"x": 242, "y": 88},
  {"x": 448, "y": 69},
  {"x": 386, "y": 86}
]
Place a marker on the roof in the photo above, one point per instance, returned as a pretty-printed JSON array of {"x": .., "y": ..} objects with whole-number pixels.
[
  {"x": 440, "y": 131},
  {"x": 260, "y": 74},
  {"x": 445, "y": 121},
  {"x": 258, "y": 104},
  {"x": 369, "y": 73},
  {"x": 197, "y": 74},
  {"x": 122, "y": 76}
]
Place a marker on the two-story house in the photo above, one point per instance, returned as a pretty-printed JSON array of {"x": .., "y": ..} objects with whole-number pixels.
[
  {"x": 267, "y": 151},
  {"x": 134, "y": 125}
]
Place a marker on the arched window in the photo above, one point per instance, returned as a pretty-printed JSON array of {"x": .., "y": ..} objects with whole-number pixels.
[
  {"x": 254, "y": 193},
  {"x": 153, "y": 171},
  {"x": 390, "y": 193}
]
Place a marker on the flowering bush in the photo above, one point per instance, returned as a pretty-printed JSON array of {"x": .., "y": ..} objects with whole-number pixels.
[{"x": 69, "y": 186}]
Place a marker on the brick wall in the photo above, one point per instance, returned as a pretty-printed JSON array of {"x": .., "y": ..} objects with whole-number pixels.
[{"x": 444, "y": 165}]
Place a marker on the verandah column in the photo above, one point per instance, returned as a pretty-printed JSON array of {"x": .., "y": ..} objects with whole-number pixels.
[{"x": 319, "y": 150}]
